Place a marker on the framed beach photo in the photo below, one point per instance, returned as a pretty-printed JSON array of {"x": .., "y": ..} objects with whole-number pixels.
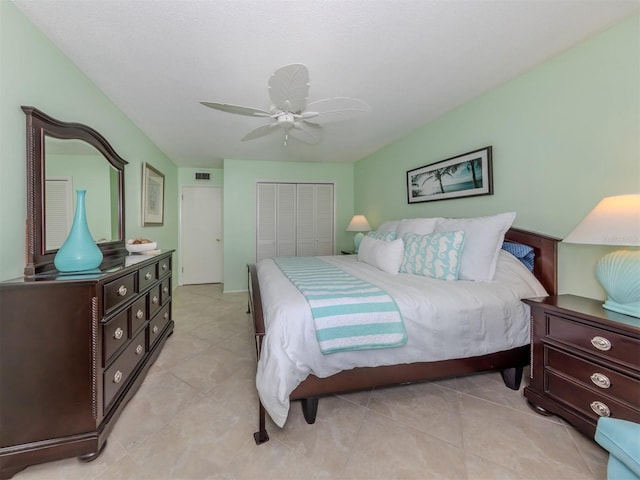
[
  {"x": 152, "y": 196},
  {"x": 466, "y": 175}
]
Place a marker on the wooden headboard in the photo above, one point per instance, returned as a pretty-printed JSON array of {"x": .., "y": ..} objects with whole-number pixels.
[{"x": 545, "y": 248}]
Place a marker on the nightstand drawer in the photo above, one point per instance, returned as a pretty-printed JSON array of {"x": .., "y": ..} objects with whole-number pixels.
[
  {"x": 594, "y": 376},
  {"x": 597, "y": 341},
  {"x": 586, "y": 400}
]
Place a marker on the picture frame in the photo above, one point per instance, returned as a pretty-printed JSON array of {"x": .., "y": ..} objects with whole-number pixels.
[
  {"x": 152, "y": 196},
  {"x": 467, "y": 175}
]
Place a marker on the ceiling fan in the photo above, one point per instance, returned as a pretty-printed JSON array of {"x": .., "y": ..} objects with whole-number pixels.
[{"x": 289, "y": 111}]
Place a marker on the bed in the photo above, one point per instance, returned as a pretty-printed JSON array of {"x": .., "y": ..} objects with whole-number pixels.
[{"x": 384, "y": 367}]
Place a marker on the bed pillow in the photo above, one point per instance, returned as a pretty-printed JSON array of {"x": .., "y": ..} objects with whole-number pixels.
[
  {"x": 385, "y": 255},
  {"x": 386, "y": 236},
  {"x": 524, "y": 253},
  {"x": 421, "y": 226},
  {"x": 436, "y": 255},
  {"x": 483, "y": 240},
  {"x": 389, "y": 226}
]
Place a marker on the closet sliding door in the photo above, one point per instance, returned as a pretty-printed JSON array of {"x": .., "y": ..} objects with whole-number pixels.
[
  {"x": 315, "y": 220},
  {"x": 294, "y": 219}
]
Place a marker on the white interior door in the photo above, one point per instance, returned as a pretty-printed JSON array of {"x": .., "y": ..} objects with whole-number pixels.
[{"x": 201, "y": 242}]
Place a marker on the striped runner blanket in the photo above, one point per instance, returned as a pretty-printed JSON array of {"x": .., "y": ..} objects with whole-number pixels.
[{"x": 348, "y": 312}]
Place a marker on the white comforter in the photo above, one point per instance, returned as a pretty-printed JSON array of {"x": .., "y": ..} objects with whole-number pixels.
[{"x": 443, "y": 319}]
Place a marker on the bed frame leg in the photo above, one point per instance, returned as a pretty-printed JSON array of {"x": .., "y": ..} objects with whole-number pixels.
[
  {"x": 512, "y": 377},
  {"x": 309, "y": 409},
  {"x": 261, "y": 435}
]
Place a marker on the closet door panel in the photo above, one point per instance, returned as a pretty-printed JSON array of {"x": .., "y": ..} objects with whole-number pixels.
[
  {"x": 306, "y": 238},
  {"x": 266, "y": 228},
  {"x": 286, "y": 220},
  {"x": 324, "y": 219}
]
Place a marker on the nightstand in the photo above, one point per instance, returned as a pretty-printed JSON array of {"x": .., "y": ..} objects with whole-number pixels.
[{"x": 585, "y": 361}]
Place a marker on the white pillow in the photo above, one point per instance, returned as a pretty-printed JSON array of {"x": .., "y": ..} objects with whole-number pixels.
[
  {"x": 421, "y": 226},
  {"x": 483, "y": 237},
  {"x": 390, "y": 226},
  {"x": 387, "y": 256}
]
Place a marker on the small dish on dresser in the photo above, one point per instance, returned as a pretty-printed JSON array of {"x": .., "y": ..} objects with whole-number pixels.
[{"x": 140, "y": 247}]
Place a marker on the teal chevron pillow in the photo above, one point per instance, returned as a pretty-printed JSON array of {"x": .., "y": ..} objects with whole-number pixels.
[
  {"x": 386, "y": 236},
  {"x": 436, "y": 255}
]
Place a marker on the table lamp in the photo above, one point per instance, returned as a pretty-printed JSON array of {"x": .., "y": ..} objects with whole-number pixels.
[
  {"x": 615, "y": 221},
  {"x": 358, "y": 224}
]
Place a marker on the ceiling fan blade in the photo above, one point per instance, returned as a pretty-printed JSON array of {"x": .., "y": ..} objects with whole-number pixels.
[
  {"x": 334, "y": 109},
  {"x": 260, "y": 131},
  {"x": 289, "y": 88},
  {"x": 305, "y": 132},
  {"x": 237, "y": 109}
]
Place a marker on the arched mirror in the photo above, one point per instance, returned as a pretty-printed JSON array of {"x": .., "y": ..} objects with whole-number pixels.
[{"x": 62, "y": 158}]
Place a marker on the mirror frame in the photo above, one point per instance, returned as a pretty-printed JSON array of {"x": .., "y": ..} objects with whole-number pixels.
[{"x": 39, "y": 126}]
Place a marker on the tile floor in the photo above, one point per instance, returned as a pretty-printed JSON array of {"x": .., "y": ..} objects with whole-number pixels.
[{"x": 195, "y": 414}]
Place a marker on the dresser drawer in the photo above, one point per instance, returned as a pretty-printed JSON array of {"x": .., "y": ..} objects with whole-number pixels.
[
  {"x": 157, "y": 324},
  {"x": 165, "y": 292},
  {"x": 164, "y": 267},
  {"x": 146, "y": 276},
  {"x": 115, "y": 334},
  {"x": 580, "y": 398},
  {"x": 119, "y": 291},
  {"x": 609, "y": 345},
  {"x": 138, "y": 314},
  {"x": 154, "y": 297},
  {"x": 594, "y": 376},
  {"x": 117, "y": 375}
]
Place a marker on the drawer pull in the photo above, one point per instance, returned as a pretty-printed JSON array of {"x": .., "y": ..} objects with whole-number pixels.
[
  {"x": 139, "y": 349},
  {"x": 154, "y": 300},
  {"x": 117, "y": 377},
  {"x": 600, "y": 409},
  {"x": 600, "y": 380},
  {"x": 148, "y": 276},
  {"x": 166, "y": 315},
  {"x": 164, "y": 266},
  {"x": 118, "y": 333},
  {"x": 155, "y": 329},
  {"x": 139, "y": 314},
  {"x": 122, "y": 291},
  {"x": 165, "y": 290},
  {"x": 601, "y": 343}
]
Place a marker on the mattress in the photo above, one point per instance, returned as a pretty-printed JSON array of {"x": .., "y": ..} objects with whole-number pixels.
[{"x": 443, "y": 319}]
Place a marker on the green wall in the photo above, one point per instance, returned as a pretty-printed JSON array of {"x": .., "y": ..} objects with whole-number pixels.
[
  {"x": 240, "y": 177},
  {"x": 34, "y": 72},
  {"x": 564, "y": 135}
]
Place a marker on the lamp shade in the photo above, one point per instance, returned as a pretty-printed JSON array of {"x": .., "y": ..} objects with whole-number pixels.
[
  {"x": 358, "y": 223},
  {"x": 613, "y": 221}
]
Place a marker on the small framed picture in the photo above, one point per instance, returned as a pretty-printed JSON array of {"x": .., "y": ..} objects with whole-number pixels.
[
  {"x": 466, "y": 175},
  {"x": 152, "y": 196}
]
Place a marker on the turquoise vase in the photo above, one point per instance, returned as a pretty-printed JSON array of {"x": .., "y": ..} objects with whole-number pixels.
[{"x": 78, "y": 252}]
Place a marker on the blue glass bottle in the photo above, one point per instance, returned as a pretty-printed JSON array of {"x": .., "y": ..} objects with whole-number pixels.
[{"x": 78, "y": 252}]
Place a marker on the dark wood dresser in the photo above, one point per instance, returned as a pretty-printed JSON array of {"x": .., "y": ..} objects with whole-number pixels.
[
  {"x": 74, "y": 348},
  {"x": 585, "y": 361}
]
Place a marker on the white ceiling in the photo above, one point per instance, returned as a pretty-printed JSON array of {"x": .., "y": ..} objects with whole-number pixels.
[{"x": 411, "y": 60}]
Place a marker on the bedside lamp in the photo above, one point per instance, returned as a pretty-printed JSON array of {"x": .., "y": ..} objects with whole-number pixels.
[
  {"x": 615, "y": 221},
  {"x": 358, "y": 224}
]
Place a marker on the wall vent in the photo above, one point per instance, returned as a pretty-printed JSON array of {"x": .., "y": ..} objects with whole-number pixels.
[{"x": 203, "y": 176}]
